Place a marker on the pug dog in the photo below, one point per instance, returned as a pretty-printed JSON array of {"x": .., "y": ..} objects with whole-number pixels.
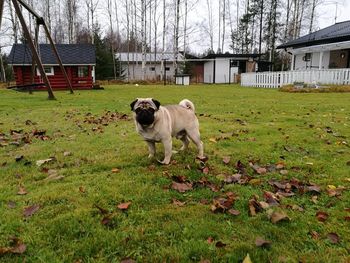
[{"x": 156, "y": 123}]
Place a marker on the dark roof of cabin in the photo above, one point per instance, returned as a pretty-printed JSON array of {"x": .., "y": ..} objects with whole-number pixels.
[
  {"x": 228, "y": 55},
  {"x": 70, "y": 54},
  {"x": 336, "y": 33}
]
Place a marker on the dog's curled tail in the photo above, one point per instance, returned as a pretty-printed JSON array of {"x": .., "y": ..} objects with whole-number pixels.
[{"x": 187, "y": 104}]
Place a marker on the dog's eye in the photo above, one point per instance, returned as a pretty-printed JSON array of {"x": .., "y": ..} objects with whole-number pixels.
[{"x": 137, "y": 110}]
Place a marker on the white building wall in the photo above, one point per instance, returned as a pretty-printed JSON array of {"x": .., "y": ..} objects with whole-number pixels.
[
  {"x": 137, "y": 74},
  {"x": 300, "y": 64},
  {"x": 222, "y": 71},
  {"x": 208, "y": 72}
]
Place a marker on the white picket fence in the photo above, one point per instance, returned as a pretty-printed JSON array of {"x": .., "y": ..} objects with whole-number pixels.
[{"x": 281, "y": 78}]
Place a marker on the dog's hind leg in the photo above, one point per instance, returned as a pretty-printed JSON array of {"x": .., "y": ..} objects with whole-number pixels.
[
  {"x": 196, "y": 138},
  {"x": 151, "y": 149},
  {"x": 185, "y": 142}
]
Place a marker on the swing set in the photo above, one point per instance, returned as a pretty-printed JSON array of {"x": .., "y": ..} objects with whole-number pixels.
[{"x": 34, "y": 47}]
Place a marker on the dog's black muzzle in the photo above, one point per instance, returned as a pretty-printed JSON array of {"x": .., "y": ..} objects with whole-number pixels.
[{"x": 145, "y": 116}]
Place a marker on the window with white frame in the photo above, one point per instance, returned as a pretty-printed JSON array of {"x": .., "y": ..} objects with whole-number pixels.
[
  {"x": 49, "y": 71},
  {"x": 83, "y": 71}
]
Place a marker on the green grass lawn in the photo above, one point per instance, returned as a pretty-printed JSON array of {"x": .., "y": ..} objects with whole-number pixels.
[{"x": 69, "y": 212}]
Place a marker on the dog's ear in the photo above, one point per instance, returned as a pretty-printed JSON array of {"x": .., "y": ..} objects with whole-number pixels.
[
  {"x": 157, "y": 103},
  {"x": 133, "y": 104}
]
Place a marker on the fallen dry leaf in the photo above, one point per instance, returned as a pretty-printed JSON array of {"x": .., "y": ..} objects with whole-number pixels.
[
  {"x": 17, "y": 247},
  {"x": 210, "y": 240},
  {"x": 333, "y": 238},
  {"x": 233, "y": 212},
  {"x": 220, "y": 244},
  {"x": 45, "y": 161},
  {"x": 260, "y": 242},
  {"x": 277, "y": 217},
  {"x": 124, "y": 206},
  {"x": 322, "y": 216},
  {"x": 181, "y": 187},
  {"x": 22, "y": 190},
  {"x": 177, "y": 202},
  {"x": 314, "y": 235},
  {"x": 226, "y": 160},
  {"x": 115, "y": 170},
  {"x": 31, "y": 210}
]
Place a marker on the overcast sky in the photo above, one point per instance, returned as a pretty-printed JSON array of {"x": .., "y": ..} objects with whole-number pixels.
[
  {"x": 198, "y": 41},
  {"x": 328, "y": 13}
]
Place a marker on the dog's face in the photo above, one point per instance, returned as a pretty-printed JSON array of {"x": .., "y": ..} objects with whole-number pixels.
[{"x": 145, "y": 110}]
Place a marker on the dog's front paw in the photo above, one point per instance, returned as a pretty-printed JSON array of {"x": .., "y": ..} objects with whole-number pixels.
[{"x": 150, "y": 156}]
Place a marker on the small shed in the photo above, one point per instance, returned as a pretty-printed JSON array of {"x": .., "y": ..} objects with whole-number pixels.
[
  {"x": 79, "y": 61},
  {"x": 182, "y": 79}
]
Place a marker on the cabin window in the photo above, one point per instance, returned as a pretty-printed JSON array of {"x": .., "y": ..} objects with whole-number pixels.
[
  {"x": 307, "y": 57},
  {"x": 49, "y": 71},
  {"x": 152, "y": 69},
  {"x": 83, "y": 72},
  {"x": 167, "y": 68}
]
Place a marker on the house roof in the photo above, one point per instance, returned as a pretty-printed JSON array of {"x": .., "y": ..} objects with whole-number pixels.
[
  {"x": 228, "y": 55},
  {"x": 70, "y": 54},
  {"x": 149, "y": 57},
  {"x": 338, "y": 32}
]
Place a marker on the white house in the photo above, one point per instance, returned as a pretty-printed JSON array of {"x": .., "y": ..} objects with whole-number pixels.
[
  {"x": 320, "y": 57},
  {"x": 327, "y": 48},
  {"x": 224, "y": 68},
  {"x": 156, "y": 65}
]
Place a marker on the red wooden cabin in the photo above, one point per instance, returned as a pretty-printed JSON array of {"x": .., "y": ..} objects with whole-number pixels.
[{"x": 79, "y": 61}]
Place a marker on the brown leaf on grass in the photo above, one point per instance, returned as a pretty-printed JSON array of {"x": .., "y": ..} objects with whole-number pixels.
[
  {"x": 177, "y": 202},
  {"x": 229, "y": 179},
  {"x": 115, "y": 170},
  {"x": 22, "y": 190},
  {"x": 17, "y": 247},
  {"x": 82, "y": 189},
  {"x": 31, "y": 210},
  {"x": 313, "y": 188},
  {"x": 11, "y": 204},
  {"x": 181, "y": 187},
  {"x": 102, "y": 210},
  {"x": 233, "y": 212},
  {"x": 277, "y": 217},
  {"x": 258, "y": 169},
  {"x": 333, "y": 238},
  {"x": 66, "y": 153},
  {"x": 335, "y": 191},
  {"x": 271, "y": 199},
  {"x": 260, "y": 242},
  {"x": 226, "y": 159},
  {"x": 124, "y": 206},
  {"x": 254, "y": 206},
  {"x": 314, "y": 235},
  {"x": 222, "y": 204},
  {"x": 241, "y": 168},
  {"x": 106, "y": 220},
  {"x": 280, "y": 165},
  {"x": 322, "y": 216},
  {"x": 220, "y": 244},
  {"x": 179, "y": 178},
  {"x": 45, "y": 161},
  {"x": 284, "y": 172},
  {"x": 210, "y": 240},
  {"x": 347, "y": 218}
]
